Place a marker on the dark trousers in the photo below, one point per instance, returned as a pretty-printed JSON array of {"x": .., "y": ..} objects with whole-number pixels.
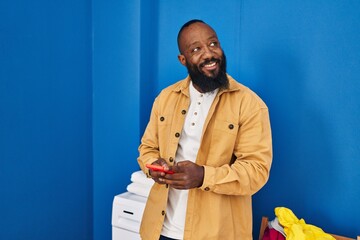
[{"x": 165, "y": 238}]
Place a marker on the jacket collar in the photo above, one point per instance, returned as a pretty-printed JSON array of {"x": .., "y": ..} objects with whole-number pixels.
[{"x": 183, "y": 86}]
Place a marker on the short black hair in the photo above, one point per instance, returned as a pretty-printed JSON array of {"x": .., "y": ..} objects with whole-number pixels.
[{"x": 187, "y": 24}]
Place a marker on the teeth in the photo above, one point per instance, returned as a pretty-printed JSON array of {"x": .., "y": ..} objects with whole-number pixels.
[{"x": 210, "y": 65}]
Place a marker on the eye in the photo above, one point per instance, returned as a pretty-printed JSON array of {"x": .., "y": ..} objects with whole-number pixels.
[
  {"x": 213, "y": 44},
  {"x": 194, "y": 50}
]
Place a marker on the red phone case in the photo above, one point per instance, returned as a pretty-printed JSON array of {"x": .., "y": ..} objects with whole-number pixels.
[{"x": 158, "y": 168}]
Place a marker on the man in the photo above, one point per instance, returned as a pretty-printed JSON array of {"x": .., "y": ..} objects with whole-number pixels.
[{"x": 214, "y": 134}]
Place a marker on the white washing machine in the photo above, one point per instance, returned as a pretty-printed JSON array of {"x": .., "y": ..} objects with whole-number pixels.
[{"x": 127, "y": 213}]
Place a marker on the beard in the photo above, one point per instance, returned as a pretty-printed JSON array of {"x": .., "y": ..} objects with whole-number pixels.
[{"x": 206, "y": 83}]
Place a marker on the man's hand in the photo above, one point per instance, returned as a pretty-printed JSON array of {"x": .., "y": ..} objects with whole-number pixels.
[
  {"x": 187, "y": 175},
  {"x": 157, "y": 174}
]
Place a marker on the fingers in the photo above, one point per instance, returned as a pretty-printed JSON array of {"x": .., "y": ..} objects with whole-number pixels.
[
  {"x": 176, "y": 180},
  {"x": 157, "y": 175},
  {"x": 186, "y": 176},
  {"x": 161, "y": 162}
]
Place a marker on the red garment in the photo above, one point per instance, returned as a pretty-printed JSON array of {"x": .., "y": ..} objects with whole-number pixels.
[{"x": 272, "y": 234}]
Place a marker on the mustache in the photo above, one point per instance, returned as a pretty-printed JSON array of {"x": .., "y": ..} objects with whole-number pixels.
[
  {"x": 207, "y": 61},
  {"x": 205, "y": 83}
]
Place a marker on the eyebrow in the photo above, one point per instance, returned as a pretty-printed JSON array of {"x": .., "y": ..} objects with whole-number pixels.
[{"x": 196, "y": 42}]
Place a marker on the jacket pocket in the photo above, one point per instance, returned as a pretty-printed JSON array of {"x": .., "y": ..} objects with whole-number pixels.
[
  {"x": 223, "y": 140},
  {"x": 226, "y": 127}
]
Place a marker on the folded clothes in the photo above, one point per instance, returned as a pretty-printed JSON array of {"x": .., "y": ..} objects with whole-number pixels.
[
  {"x": 139, "y": 189},
  {"x": 140, "y": 177}
]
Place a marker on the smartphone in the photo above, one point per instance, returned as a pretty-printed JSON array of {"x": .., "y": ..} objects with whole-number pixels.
[{"x": 158, "y": 168}]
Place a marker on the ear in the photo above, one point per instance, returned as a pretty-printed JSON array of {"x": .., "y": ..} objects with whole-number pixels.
[{"x": 182, "y": 59}]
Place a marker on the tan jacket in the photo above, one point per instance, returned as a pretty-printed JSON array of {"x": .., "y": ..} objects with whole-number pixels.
[{"x": 235, "y": 150}]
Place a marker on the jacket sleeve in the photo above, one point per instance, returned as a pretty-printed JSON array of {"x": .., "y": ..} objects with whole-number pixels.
[
  {"x": 149, "y": 146},
  {"x": 249, "y": 169}
]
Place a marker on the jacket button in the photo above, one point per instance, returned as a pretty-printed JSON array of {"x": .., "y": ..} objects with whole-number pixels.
[
  {"x": 231, "y": 126},
  {"x": 163, "y": 212},
  {"x": 177, "y": 135},
  {"x": 171, "y": 159},
  {"x": 183, "y": 112},
  {"x": 207, "y": 189},
  {"x": 162, "y": 118}
]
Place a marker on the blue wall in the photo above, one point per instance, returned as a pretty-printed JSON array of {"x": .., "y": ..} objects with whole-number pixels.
[
  {"x": 78, "y": 78},
  {"x": 303, "y": 59},
  {"x": 116, "y": 104},
  {"x": 45, "y": 120},
  {"x": 306, "y": 58}
]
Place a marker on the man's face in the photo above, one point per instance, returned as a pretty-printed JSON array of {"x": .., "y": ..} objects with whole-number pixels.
[{"x": 202, "y": 55}]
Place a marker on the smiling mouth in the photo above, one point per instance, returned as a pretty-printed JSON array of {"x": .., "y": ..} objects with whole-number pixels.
[{"x": 210, "y": 65}]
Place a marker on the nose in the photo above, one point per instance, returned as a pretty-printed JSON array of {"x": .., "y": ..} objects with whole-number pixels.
[{"x": 207, "y": 53}]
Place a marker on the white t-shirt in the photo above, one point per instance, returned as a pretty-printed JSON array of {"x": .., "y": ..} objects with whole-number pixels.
[{"x": 189, "y": 144}]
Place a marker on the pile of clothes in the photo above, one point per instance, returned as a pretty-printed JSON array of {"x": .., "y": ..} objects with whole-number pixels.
[
  {"x": 287, "y": 226},
  {"x": 140, "y": 184}
]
